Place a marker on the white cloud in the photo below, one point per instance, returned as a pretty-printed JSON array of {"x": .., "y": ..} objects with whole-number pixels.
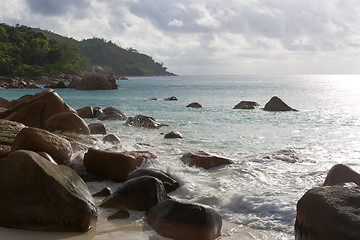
[
  {"x": 176, "y": 23},
  {"x": 230, "y": 36}
]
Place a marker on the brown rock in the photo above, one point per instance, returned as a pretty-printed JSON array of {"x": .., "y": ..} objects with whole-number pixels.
[
  {"x": 67, "y": 121},
  {"x": 39, "y": 140},
  {"x": 180, "y": 220},
  {"x": 328, "y": 213},
  {"x": 121, "y": 214},
  {"x": 97, "y": 128},
  {"x": 98, "y": 78},
  {"x": 38, "y": 195},
  {"x": 86, "y": 112},
  {"x": 141, "y": 194},
  {"x": 204, "y": 160},
  {"x": 114, "y": 165},
  {"x": 34, "y": 110},
  {"x": 47, "y": 157},
  {"x": 276, "y": 104},
  {"x": 169, "y": 182},
  {"x": 8, "y": 132},
  {"x": 3, "y": 101}
]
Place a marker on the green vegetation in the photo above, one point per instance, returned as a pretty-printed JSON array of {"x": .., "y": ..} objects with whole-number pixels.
[{"x": 26, "y": 51}]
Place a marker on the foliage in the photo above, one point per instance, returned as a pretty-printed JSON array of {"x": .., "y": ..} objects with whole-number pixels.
[
  {"x": 25, "y": 51},
  {"x": 30, "y": 52}
]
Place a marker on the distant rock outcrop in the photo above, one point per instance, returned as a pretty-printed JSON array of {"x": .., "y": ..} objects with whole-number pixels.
[
  {"x": 276, "y": 104},
  {"x": 98, "y": 78},
  {"x": 328, "y": 213},
  {"x": 173, "y": 134},
  {"x": 194, "y": 105},
  {"x": 247, "y": 105}
]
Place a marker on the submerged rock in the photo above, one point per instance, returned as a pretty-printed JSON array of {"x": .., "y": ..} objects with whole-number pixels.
[
  {"x": 141, "y": 193},
  {"x": 179, "y": 220},
  {"x": 328, "y": 213},
  {"x": 247, "y": 105},
  {"x": 204, "y": 160},
  {"x": 111, "y": 138},
  {"x": 169, "y": 182},
  {"x": 114, "y": 166},
  {"x": 276, "y": 104},
  {"x": 38, "y": 195},
  {"x": 173, "y": 98},
  {"x": 39, "y": 140}
]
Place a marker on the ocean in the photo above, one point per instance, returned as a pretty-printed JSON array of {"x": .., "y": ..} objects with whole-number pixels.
[{"x": 278, "y": 156}]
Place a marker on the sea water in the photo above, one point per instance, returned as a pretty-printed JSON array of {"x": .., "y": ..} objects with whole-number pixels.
[{"x": 278, "y": 156}]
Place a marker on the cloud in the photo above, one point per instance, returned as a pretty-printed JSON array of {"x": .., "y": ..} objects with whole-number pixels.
[{"x": 189, "y": 35}]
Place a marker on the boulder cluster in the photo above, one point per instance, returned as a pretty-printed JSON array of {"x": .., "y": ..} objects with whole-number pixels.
[
  {"x": 96, "y": 78},
  {"x": 42, "y": 178}
]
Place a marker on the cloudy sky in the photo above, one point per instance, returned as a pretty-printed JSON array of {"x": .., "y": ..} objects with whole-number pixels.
[{"x": 211, "y": 36}]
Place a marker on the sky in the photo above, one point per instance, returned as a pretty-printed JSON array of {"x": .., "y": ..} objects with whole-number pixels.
[{"x": 207, "y": 37}]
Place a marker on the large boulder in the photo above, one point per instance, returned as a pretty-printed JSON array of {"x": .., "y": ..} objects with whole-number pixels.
[
  {"x": 67, "y": 121},
  {"x": 34, "y": 110},
  {"x": 98, "y": 78},
  {"x": 114, "y": 166},
  {"x": 39, "y": 140},
  {"x": 179, "y": 220},
  {"x": 247, "y": 105},
  {"x": 79, "y": 142},
  {"x": 276, "y": 104},
  {"x": 36, "y": 194},
  {"x": 141, "y": 194},
  {"x": 328, "y": 213},
  {"x": 111, "y": 113},
  {"x": 8, "y": 132},
  {"x": 169, "y": 182},
  {"x": 204, "y": 160},
  {"x": 143, "y": 121}
]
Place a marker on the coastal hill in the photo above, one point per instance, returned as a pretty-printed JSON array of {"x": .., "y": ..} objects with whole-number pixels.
[{"x": 26, "y": 51}]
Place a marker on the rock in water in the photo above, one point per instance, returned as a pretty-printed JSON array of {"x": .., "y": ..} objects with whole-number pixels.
[
  {"x": 169, "y": 182},
  {"x": 111, "y": 113},
  {"x": 173, "y": 134},
  {"x": 38, "y": 195},
  {"x": 39, "y": 140},
  {"x": 328, "y": 213},
  {"x": 276, "y": 104},
  {"x": 178, "y": 220},
  {"x": 114, "y": 166},
  {"x": 194, "y": 105},
  {"x": 97, "y": 78},
  {"x": 140, "y": 194},
  {"x": 247, "y": 105},
  {"x": 204, "y": 160},
  {"x": 97, "y": 128},
  {"x": 143, "y": 121}
]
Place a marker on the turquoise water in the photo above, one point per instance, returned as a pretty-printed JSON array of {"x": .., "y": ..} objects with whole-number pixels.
[{"x": 255, "y": 191}]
